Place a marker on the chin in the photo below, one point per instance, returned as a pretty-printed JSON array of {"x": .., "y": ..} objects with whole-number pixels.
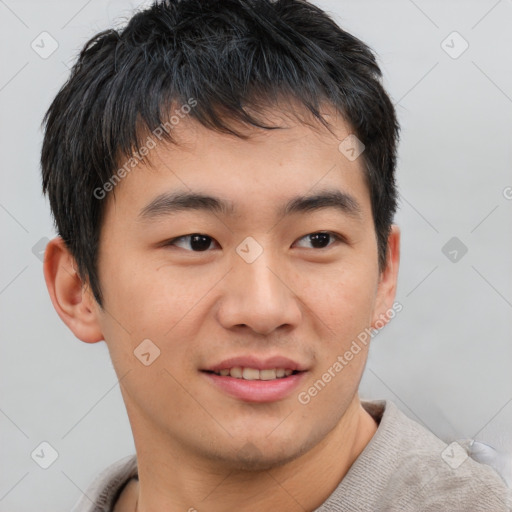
[{"x": 253, "y": 458}]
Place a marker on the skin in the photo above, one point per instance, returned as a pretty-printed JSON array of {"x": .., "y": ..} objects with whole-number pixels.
[{"x": 197, "y": 447}]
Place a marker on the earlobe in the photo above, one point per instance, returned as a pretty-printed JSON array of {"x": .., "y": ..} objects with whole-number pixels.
[
  {"x": 388, "y": 281},
  {"x": 70, "y": 298}
]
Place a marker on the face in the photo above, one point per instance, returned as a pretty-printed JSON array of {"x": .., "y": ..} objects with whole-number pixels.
[{"x": 258, "y": 278}]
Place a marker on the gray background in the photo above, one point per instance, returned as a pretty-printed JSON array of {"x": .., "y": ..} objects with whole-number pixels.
[{"x": 445, "y": 359}]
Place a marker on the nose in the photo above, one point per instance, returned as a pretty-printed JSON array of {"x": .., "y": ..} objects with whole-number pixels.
[{"x": 259, "y": 296}]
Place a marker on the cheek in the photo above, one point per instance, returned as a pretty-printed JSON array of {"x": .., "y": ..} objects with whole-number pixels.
[
  {"x": 342, "y": 302},
  {"x": 158, "y": 303},
  {"x": 151, "y": 298}
]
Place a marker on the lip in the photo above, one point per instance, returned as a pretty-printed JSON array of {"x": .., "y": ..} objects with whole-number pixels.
[
  {"x": 257, "y": 363},
  {"x": 256, "y": 390}
]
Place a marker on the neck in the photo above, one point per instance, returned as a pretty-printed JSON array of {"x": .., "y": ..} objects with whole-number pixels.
[{"x": 172, "y": 480}]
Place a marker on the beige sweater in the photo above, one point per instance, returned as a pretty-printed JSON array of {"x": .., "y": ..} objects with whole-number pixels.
[{"x": 404, "y": 468}]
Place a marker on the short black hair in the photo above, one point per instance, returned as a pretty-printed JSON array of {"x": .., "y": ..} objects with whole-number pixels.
[{"x": 229, "y": 57}]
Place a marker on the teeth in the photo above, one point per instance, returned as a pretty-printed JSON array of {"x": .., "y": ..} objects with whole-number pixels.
[
  {"x": 236, "y": 372},
  {"x": 250, "y": 374},
  {"x": 267, "y": 374},
  {"x": 253, "y": 374}
]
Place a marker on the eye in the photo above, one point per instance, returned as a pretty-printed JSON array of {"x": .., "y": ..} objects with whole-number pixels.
[
  {"x": 196, "y": 242},
  {"x": 320, "y": 240}
]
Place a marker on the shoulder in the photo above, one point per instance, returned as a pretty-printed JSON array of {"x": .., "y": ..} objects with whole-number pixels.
[
  {"x": 429, "y": 474},
  {"x": 104, "y": 490},
  {"x": 405, "y": 467}
]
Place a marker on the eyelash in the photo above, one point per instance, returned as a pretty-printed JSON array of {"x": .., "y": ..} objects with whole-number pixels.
[{"x": 335, "y": 236}]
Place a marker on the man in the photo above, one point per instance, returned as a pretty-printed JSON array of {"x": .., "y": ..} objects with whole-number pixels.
[{"x": 222, "y": 179}]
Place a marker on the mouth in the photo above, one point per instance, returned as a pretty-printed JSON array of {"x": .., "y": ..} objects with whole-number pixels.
[
  {"x": 237, "y": 372},
  {"x": 253, "y": 380}
]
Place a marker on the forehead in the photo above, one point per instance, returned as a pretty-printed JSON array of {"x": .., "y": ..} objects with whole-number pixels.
[{"x": 278, "y": 170}]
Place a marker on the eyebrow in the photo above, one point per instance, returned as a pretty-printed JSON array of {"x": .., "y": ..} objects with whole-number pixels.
[{"x": 169, "y": 203}]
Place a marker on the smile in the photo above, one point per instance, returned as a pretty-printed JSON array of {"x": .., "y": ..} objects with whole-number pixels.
[{"x": 238, "y": 372}]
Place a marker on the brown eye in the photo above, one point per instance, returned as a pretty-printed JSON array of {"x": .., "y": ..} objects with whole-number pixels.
[
  {"x": 321, "y": 239},
  {"x": 195, "y": 242}
]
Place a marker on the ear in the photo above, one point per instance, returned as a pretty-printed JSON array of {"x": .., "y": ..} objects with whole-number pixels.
[
  {"x": 386, "y": 288},
  {"x": 71, "y": 299}
]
